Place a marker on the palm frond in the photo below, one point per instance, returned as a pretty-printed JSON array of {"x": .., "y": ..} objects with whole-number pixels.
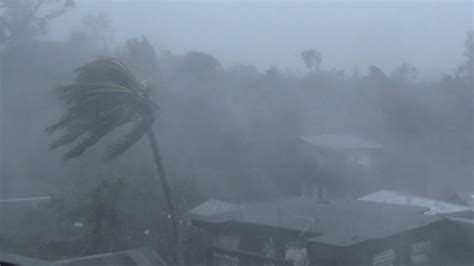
[
  {"x": 92, "y": 139},
  {"x": 107, "y": 70},
  {"x": 104, "y": 96},
  {"x": 119, "y": 147},
  {"x": 66, "y": 139}
]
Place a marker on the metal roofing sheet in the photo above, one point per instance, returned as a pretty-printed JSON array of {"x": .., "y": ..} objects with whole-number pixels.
[
  {"x": 338, "y": 223},
  {"x": 340, "y": 142},
  {"x": 395, "y": 197}
]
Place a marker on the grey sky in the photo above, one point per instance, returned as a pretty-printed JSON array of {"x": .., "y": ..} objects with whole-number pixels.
[{"x": 428, "y": 34}]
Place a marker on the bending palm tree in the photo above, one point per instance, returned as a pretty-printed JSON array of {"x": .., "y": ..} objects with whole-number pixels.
[{"x": 105, "y": 96}]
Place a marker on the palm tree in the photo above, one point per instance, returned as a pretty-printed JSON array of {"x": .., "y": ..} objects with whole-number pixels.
[{"x": 104, "y": 96}]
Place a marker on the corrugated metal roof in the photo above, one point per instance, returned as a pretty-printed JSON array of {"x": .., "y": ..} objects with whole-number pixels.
[
  {"x": 340, "y": 142},
  {"x": 214, "y": 207},
  {"x": 269, "y": 213},
  {"x": 337, "y": 223},
  {"x": 395, "y": 197},
  {"x": 357, "y": 221}
]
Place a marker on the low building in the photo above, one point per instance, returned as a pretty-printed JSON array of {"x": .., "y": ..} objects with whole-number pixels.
[{"x": 345, "y": 232}]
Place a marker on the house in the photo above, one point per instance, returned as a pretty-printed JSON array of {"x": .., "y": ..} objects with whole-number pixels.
[
  {"x": 341, "y": 165},
  {"x": 254, "y": 231},
  {"x": 408, "y": 240},
  {"x": 343, "y": 232}
]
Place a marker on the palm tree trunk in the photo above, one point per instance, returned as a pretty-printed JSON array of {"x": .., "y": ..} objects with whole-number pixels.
[{"x": 178, "y": 248}]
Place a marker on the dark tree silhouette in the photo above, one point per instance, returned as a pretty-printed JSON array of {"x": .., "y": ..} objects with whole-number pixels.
[{"x": 311, "y": 58}]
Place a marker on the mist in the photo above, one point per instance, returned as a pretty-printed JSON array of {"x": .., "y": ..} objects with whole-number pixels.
[
  {"x": 348, "y": 33},
  {"x": 266, "y": 114}
]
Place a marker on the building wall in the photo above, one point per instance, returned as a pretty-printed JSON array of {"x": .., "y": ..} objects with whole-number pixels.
[{"x": 440, "y": 244}]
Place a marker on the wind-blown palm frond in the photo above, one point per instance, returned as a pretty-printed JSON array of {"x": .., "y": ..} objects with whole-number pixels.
[
  {"x": 105, "y": 95},
  {"x": 138, "y": 131},
  {"x": 92, "y": 139}
]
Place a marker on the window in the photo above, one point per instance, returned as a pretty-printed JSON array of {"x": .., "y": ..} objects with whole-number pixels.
[
  {"x": 385, "y": 258},
  {"x": 420, "y": 253}
]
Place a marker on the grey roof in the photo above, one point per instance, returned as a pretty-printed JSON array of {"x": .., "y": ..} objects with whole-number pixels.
[
  {"x": 395, "y": 197},
  {"x": 336, "y": 223},
  {"x": 358, "y": 221},
  {"x": 340, "y": 142},
  {"x": 214, "y": 207},
  {"x": 282, "y": 214},
  {"x": 140, "y": 256}
]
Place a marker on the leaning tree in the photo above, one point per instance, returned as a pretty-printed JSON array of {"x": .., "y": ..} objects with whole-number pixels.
[{"x": 105, "y": 96}]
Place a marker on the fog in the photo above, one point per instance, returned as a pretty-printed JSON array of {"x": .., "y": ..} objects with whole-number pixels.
[
  {"x": 266, "y": 114},
  {"x": 264, "y": 34}
]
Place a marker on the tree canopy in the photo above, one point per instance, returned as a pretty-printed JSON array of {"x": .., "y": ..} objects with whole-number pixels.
[{"x": 104, "y": 96}]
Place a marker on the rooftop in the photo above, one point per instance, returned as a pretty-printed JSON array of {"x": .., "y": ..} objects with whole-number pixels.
[
  {"x": 395, "y": 197},
  {"x": 340, "y": 223},
  {"x": 340, "y": 142}
]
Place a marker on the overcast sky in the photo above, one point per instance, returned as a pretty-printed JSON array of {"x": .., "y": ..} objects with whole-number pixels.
[{"x": 428, "y": 34}]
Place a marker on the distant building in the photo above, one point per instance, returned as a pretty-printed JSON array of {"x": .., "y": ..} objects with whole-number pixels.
[
  {"x": 302, "y": 231},
  {"x": 340, "y": 165}
]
